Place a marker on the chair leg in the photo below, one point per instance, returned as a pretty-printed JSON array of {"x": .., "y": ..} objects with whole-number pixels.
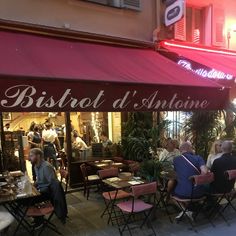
[
  {"x": 85, "y": 189},
  {"x": 106, "y": 208},
  {"x": 147, "y": 220},
  {"x": 88, "y": 190}
]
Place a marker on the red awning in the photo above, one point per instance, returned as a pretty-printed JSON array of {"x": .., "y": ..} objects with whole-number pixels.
[
  {"x": 219, "y": 59},
  {"x": 47, "y": 74}
]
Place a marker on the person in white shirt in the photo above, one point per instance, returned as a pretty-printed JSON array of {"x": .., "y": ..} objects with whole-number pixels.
[
  {"x": 215, "y": 153},
  {"x": 50, "y": 142},
  {"x": 7, "y": 127},
  {"x": 170, "y": 152},
  {"x": 79, "y": 143}
]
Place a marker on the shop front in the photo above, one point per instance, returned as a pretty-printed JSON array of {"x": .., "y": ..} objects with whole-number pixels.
[{"x": 86, "y": 86}]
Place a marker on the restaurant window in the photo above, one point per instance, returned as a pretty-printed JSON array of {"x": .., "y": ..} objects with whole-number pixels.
[
  {"x": 191, "y": 27},
  {"x": 177, "y": 121},
  {"x": 125, "y": 4}
]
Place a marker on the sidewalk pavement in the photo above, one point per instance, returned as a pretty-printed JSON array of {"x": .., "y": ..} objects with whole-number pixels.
[{"x": 84, "y": 220}]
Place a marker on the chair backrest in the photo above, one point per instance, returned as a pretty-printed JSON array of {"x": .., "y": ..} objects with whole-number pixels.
[
  {"x": 202, "y": 179},
  {"x": 144, "y": 189},
  {"x": 63, "y": 157},
  {"x": 231, "y": 174},
  {"x": 64, "y": 174},
  {"x": 118, "y": 159},
  {"x": 107, "y": 173},
  {"x": 134, "y": 167},
  {"x": 84, "y": 170}
]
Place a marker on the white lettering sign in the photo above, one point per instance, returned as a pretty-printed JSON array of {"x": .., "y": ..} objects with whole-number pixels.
[
  {"x": 212, "y": 74},
  {"x": 27, "y": 97}
]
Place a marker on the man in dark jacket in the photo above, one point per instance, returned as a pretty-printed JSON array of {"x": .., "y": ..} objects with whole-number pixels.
[{"x": 226, "y": 162}]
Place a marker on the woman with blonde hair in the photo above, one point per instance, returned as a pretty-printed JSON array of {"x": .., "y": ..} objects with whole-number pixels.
[{"x": 215, "y": 153}]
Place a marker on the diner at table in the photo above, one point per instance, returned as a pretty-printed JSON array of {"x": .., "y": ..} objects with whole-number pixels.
[{"x": 125, "y": 192}]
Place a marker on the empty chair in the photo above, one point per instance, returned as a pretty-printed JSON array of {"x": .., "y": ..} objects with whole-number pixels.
[
  {"x": 89, "y": 180},
  {"x": 111, "y": 196},
  {"x": 137, "y": 206},
  {"x": 118, "y": 159},
  {"x": 64, "y": 176}
]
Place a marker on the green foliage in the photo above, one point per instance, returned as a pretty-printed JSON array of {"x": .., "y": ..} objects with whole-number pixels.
[
  {"x": 204, "y": 127},
  {"x": 136, "y": 148},
  {"x": 140, "y": 136},
  {"x": 150, "y": 170},
  {"x": 155, "y": 134},
  {"x": 135, "y": 144}
]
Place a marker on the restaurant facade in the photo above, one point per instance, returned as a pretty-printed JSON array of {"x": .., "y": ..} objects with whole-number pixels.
[{"x": 89, "y": 65}]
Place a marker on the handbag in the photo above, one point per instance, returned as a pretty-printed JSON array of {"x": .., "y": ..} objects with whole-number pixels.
[{"x": 190, "y": 163}]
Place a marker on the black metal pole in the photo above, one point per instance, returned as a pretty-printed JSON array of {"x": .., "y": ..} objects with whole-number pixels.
[
  {"x": 68, "y": 141},
  {"x": 2, "y": 144}
]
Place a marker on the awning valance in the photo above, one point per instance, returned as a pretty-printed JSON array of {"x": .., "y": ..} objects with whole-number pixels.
[
  {"x": 215, "y": 58},
  {"x": 47, "y": 74}
]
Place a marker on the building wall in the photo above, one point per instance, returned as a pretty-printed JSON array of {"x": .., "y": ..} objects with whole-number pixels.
[
  {"x": 229, "y": 7},
  {"x": 84, "y": 16}
]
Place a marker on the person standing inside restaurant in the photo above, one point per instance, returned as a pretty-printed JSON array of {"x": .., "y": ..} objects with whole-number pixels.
[
  {"x": 226, "y": 162},
  {"x": 185, "y": 165},
  {"x": 215, "y": 153},
  {"x": 35, "y": 141},
  {"x": 50, "y": 142}
]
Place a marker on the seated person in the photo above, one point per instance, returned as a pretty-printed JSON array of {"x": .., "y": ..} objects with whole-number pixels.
[
  {"x": 45, "y": 173},
  {"x": 170, "y": 152},
  {"x": 226, "y": 162},
  {"x": 107, "y": 144},
  {"x": 79, "y": 142},
  {"x": 167, "y": 156},
  {"x": 186, "y": 165},
  {"x": 215, "y": 153},
  {"x": 45, "y": 177}
]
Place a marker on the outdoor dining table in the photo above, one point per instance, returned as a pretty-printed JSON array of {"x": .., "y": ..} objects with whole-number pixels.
[
  {"x": 106, "y": 164},
  {"x": 17, "y": 202}
]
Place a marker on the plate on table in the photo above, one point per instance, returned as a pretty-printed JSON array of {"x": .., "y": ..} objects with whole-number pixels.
[
  {"x": 114, "y": 179},
  {"x": 135, "y": 182},
  {"x": 17, "y": 173},
  {"x": 5, "y": 192},
  {"x": 106, "y": 161},
  {"x": 118, "y": 164},
  {"x": 101, "y": 165},
  {"x": 3, "y": 184}
]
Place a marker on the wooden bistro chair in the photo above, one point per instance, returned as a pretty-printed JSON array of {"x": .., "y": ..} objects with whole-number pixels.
[
  {"x": 45, "y": 210},
  {"x": 138, "y": 205},
  {"x": 230, "y": 175},
  {"x": 89, "y": 180},
  {"x": 64, "y": 176},
  {"x": 118, "y": 159},
  {"x": 110, "y": 196},
  {"x": 197, "y": 180}
]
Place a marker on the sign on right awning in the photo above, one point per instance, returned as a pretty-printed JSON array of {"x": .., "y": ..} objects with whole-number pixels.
[
  {"x": 208, "y": 62},
  {"x": 220, "y": 60}
]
